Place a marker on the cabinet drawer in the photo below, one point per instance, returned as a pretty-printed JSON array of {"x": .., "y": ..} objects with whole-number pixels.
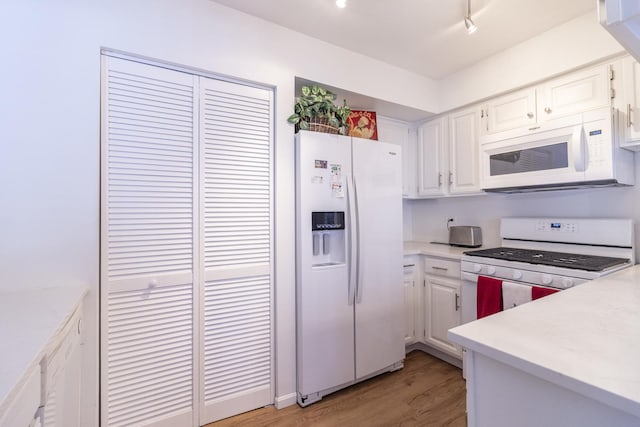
[{"x": 442, "y": 267}]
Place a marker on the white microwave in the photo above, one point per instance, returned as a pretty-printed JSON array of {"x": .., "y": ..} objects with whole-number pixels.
[{"x": 571, "y": 152}]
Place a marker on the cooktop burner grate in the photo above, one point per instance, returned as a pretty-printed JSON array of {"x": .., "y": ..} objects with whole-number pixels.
[{"x": 556, "y": 259}]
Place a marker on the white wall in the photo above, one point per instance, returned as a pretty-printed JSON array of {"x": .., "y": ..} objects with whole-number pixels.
[
  {"x": 568, "y": 46},
  {"x": 49, "y": 129}
]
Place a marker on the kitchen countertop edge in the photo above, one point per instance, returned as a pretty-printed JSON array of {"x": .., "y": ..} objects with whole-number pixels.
[{"x": 444, "y": 250}]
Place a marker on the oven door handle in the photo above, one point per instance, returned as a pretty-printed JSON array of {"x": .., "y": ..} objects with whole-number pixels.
[{"x": 580, "y": 149}]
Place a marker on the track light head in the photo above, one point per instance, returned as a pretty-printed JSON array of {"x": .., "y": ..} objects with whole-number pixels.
[{"x": 471, "y": 27}]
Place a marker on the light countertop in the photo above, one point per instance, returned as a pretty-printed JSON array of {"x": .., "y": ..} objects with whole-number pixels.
[
  {"x": 586, "y": 339},
  {"x": 435, "y": 249},
  {"x": 29, "y": 320}
]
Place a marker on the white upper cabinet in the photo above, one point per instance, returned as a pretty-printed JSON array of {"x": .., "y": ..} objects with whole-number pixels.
[
  {"x": 511, "y": 111},
  {"x": 464, "y": 129},
  {"x": 432, "y": 158},
  {"x": 629, "y": 104},
  {"x": 527, "y": 110},
  {"x": 398, "y": 132},
  {"x": 448, "y": 155},
  {"x": 576, "y": 92}
]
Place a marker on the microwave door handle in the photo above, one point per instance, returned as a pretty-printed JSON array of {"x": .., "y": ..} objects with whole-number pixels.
[{"x": 580, "y": 149}]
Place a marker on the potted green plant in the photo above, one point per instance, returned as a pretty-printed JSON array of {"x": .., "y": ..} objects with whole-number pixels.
[{"x": 315, "y": 110}]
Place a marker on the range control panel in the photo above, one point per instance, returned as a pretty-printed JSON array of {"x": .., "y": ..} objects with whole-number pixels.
[
  {"x": 557, "y": 227},
  {"x": 586, "y": 231}
]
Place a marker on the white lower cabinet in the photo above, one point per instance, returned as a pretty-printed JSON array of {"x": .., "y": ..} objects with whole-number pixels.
[
  {"x": 410, "y": 297},
  {"x": 434, "y": 307},
  {"x": 442, "y": 312},
  {"x": 61, "y": 374}
]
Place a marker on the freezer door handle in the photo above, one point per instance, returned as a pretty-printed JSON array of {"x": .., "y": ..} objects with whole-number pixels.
[{"x": 353, "y": 243}]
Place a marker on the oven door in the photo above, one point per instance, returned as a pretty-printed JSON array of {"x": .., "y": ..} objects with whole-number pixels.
[{"x": 551, "y": 157}]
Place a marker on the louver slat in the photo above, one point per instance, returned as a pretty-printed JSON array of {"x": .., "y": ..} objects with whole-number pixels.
[{"x": 147, "y": 233}]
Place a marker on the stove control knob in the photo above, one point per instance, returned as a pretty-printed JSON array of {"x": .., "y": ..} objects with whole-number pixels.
[
  {"x": 517, "y": 274},
  {"x": 477, "y": 268},
  {"x": 567, "y": 282},
  {"x": 546, "y": 279},
  {"x": 491, "y": 269}
]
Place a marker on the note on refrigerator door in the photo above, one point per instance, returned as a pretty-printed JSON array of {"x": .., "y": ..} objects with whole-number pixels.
[
  {"x": 337, "y": 184},
  {"x": 337, "y": 190}
]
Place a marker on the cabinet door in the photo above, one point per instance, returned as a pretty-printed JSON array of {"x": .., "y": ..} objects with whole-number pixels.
[
  {"x": 147, "y": 241},
  {"x": 235, "y": 249},
  {"x": 630, "y": 110},
  {"x": 432, "y": 145},
  {"x": 442, "y": 312},
  {"x": 464, "y": 149},
  {"x": 574, "y": 93},
  {"x": 396, "y": 132},
  {"x": 512, "y": 111},
  {"x": 409, "y": 302}
]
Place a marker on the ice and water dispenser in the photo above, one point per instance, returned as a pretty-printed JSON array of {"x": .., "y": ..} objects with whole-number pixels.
[{"x": 327, "y": 229}]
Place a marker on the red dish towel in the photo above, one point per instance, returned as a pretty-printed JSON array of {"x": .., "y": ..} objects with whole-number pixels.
[
  {"x": 489, "y": 293},
  {"x": 539, "y": 292}
]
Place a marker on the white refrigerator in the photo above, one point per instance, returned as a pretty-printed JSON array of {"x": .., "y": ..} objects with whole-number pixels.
[{"x": 349, "y": 288}]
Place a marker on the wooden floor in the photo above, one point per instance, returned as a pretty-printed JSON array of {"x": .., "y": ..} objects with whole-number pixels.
[{"x": 426, "y": 392}]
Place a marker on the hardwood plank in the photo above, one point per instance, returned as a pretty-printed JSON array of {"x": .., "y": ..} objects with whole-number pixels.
[{"x": 426, "y": 392}]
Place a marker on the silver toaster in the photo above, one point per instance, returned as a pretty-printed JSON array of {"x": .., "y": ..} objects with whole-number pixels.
[{"x": 468, "y": 236}]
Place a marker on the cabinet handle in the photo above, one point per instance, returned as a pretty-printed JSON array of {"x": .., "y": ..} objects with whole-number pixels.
[
  {"x": 547, "y": 110},
  {"x": 530, "y": 115},
  {"x": 439, "y": 268},
  {"x": 440, "y": 180},
  {"x": 629, "y": 121},
  {"x": 450, "y": 178},
  {"x": 457, "y": 301},
  {"x": 534, "y": 128},
  {"x": 409, "y": 265}
]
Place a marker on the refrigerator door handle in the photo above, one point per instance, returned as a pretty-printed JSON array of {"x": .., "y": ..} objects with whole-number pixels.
[
  {"x": 353, "y": 243},
  {"x": 358, "y": 296}
]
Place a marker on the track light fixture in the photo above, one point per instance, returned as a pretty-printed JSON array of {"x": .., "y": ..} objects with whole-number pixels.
[
  {"x": 341, "y": 3},
  {"x": 468, "y": 22}
]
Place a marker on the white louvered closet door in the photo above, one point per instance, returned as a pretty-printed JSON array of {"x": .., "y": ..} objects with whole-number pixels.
[
  {"x": 147, "y": 245},
  {"x": 235, "y": 158}
]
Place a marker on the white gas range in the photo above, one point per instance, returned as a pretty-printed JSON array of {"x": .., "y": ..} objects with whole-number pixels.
[{"x": 549, "y": 252}]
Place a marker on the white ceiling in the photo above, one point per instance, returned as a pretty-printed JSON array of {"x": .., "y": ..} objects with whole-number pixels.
[{"x": 427, "y": 37}]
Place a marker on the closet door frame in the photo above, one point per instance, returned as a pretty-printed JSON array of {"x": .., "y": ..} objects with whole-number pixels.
[{"x": 198, "y": 270}]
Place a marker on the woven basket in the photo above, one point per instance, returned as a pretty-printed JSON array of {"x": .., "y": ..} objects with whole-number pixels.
[{"x": 321, "y": 124}]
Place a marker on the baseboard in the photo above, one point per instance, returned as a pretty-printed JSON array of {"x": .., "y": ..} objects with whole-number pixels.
[
  {"x": 286, "y": 400},
  {"x": 435, "y": 353}
]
